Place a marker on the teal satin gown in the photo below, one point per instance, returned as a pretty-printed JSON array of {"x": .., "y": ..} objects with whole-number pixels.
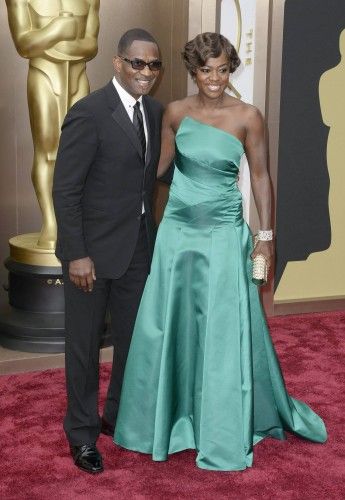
[{"x": 202, "y": 372}]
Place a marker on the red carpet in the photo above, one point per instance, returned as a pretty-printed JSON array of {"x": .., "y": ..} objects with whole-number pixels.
[{"x": 36, "y": 464}]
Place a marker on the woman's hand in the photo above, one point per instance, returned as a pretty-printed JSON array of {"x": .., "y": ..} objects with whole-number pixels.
[{"x": 264, "y": 248}]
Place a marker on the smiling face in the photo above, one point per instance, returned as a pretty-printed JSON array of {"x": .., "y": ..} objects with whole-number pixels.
[
  {"x": 137, "y": 82},
  {"x": 212, "y": 78}
]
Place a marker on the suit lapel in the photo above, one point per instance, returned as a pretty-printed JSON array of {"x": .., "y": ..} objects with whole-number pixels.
[{"x": 120, "y": 115}]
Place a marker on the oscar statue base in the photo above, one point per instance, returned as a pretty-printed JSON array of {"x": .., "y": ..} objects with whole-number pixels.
[
  {"x": 34, "y": 319},
  {"x": 32, "y": 332}
]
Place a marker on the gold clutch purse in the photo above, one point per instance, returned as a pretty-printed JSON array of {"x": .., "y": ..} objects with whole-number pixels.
[{"x": 260, "y": 268}]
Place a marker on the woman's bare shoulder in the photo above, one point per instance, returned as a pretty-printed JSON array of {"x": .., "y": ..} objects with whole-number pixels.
[
  {"x": 235, "y": 104},
  {"x": 251, "y": 112},
  {"x": 179, "y": 106},
  {"x": 177, "y": 110},
  {"x": 246, "y": 113}
]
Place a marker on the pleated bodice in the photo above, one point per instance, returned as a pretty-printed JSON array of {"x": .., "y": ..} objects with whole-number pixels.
[{"x": 204, "y": 189}]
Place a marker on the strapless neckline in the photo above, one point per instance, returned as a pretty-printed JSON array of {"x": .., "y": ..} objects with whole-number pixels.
[{"x": 232, "y": 136}]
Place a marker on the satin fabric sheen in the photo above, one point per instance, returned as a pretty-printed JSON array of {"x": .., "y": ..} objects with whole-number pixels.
[{"x": 202, "y": 372}]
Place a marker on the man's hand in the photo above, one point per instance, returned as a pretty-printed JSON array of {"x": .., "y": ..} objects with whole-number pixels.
[{"x": 82, "y": 273}]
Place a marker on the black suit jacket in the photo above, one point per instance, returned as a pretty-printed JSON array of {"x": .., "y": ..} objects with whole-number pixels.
[{"x": 101, "y": 181}]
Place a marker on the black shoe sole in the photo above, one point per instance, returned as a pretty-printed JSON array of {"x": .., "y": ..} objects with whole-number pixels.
[{"x": 88, "y": 470}]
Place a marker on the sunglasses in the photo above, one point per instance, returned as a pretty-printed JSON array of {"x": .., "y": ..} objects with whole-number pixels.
[{"x": 139, "y": 64}]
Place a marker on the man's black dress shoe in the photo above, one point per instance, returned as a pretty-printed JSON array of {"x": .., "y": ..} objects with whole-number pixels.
[
  {"x": 107, "y": 428},
  {"x": 87, "y": 458}
]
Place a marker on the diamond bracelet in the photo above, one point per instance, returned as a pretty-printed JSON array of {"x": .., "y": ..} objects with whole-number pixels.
[{"x": 265, "y": 235}]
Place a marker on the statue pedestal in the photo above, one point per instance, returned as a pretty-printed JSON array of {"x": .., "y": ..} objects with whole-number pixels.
[{"x": 34, "y": 319}]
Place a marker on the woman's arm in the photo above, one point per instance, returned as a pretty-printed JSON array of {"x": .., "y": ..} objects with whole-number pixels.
[
  {"x": 167, "y": 142},
  {"x": 256, "y": 152}
]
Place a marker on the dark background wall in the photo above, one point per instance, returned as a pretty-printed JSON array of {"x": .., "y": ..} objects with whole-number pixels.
[{"x": 310, "y": 47}]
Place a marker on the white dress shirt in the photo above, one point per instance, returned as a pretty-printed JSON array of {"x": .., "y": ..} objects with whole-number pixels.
[{"x": 128, "y": 101}]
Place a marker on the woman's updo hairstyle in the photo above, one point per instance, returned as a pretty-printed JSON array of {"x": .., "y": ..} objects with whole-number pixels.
[{"x": 206, "y": 45}]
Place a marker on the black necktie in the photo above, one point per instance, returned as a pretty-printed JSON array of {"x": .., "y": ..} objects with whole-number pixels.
[{"x": 139, "y": 126}]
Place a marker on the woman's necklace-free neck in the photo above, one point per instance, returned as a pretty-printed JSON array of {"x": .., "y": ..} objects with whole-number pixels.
[{"x": 209, "y": 104}]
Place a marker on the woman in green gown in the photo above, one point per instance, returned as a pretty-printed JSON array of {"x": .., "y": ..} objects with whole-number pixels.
[{"x": 202, "y": 372}]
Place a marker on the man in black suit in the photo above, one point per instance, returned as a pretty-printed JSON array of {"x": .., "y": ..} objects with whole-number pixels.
[{"x": 103, "y": 188}]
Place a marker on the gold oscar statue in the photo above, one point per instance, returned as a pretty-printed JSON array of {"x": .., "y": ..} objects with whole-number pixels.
[
  {"x": 322, "y": 275},
  {"x": 58, "y": 37}
]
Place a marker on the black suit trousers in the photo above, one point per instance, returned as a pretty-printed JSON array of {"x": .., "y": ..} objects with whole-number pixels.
[{"x": 84, "y": 315}]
